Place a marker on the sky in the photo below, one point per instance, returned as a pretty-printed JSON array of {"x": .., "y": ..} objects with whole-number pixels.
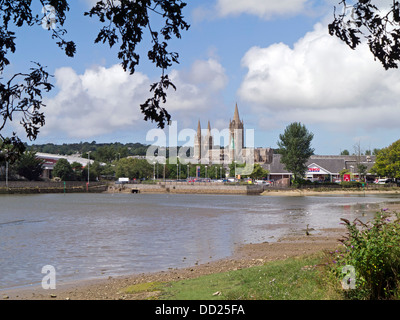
[{"x": 274, "y": 59}]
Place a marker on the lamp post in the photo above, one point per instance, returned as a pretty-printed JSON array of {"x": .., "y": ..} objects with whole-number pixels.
[
  {"x": 154, "y": 170},
  {"x": 235, "y": 170},
  {"x": 88, "y": 168},
  {"x": 206, "y": 172},
  {"x": 7, "y": 151},
  {"x": 7, "y": 173}
]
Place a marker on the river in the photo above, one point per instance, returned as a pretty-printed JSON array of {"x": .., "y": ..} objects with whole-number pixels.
[{"x": 87, "y": 236}]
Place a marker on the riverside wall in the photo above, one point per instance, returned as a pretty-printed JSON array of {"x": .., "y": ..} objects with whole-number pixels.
[
  {"x": 188, "y": 188},
  {"x": 32, "y": 187}
]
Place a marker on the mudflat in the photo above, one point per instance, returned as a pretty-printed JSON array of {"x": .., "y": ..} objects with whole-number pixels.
[{"x": 245, "y": 256}]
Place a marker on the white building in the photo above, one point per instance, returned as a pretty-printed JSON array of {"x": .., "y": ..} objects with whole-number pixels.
[{"x": 51, "y": 159}]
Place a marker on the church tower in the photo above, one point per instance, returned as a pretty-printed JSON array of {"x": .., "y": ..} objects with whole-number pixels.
[
  {"x": 208, "y": 143},
  {"x": 197, "y": 143},
  {"x": 236, "y": 135},
  {"x": 203, "y": 145}
]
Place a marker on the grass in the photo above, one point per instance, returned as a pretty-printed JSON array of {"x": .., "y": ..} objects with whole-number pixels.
[
  {"x": 143, "y": 287},
  {"x": 291, "y": 279}
]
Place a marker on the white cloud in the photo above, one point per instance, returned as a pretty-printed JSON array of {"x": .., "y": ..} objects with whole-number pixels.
[
  {"x": 321, "y": 81},
  {"x": 198, "y": 90},
  {"x": 261, "y": 8},
  {"x": 105, "y": 100},
  {"x": 97, "y": 102}
]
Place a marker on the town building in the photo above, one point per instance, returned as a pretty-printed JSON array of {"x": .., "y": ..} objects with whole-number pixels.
[
  {"x": 50, "y": 161},
  {"x": 320, "y": 167},
  {"x": 323, "y": 168},
  {"x": 206, "y": 152}
]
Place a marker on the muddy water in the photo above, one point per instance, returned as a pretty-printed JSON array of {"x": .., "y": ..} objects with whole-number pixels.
[{"x": 100, "y": 235}]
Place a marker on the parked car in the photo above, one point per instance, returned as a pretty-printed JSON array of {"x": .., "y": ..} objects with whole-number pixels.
[
  {"x": 383, "y": 181},
  {"x": 263, "y": 182}
]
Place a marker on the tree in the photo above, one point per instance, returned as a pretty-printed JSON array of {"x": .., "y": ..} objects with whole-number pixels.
[
  {"x": 295, "y": 148},
  {"x": 234, "y": 168},
  {"x": 380, "y": 28},
  {"x": 343, "y": 172},
  {"x": 361, "y": 168},
  {"x": 345, "y": 152},
  {"x": 108, "y": 171},
  {"x": 10, "y": 150},
  {"x": 94, "y": 171},
  {"x": 109, "y": 153},
  {"x": 133, "y": 169},
  {"x": 259, "y": 172},
  {"x": 376, "y": 151},
  {"x": 387, "y": 162},
  {"x": 29, "y": 166},
  {"x": 63, "y": 170},
  {"x": 78, "y": 171},
  {"x": 125, "y": 22}
]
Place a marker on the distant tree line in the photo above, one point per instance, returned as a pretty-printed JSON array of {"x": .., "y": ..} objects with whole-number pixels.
[
  {"x": 374, "y": 152},
  {"x": 103, "y": 152}
]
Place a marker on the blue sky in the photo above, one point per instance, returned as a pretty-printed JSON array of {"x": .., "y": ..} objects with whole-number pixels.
[{"x": 274, "y": 59}]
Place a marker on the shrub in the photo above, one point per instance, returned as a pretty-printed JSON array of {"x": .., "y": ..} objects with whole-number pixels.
[
  {"x": 298, "y": 183},
  {"x": 351, "y": 184},
  {"x": 373, "y": 250},
  {"x": 63, "y": 170}
]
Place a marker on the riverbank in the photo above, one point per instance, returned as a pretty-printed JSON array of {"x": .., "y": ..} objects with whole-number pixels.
[
  {"x": 37, "y": 187},
  {"x": 245, "y": 256},
  {"x": 232, "y": 189},
  {"x": 187, "y": 188},
  {"x": 324, "y": 192}
]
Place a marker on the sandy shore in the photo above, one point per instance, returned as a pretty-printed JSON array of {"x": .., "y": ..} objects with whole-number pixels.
[{"x": 245, "y": 256}]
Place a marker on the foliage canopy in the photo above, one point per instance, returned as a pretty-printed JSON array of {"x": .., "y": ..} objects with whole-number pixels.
[
  {"x": 125, "y": 22},
  {"x": 63, "y": 170},
  {"x": 372, "y": 250},
  {"x": 379, "y": 27},
  {"x": 29, "y": 166},
  {"x": 387, "y": 162},
  {"x": 295, "y": 148}
]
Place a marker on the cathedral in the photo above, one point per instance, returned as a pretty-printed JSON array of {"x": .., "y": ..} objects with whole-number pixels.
[{"x": 206, "y": 152}]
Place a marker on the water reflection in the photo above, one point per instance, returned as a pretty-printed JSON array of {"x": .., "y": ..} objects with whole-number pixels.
[{"x": 101, "y": 235}]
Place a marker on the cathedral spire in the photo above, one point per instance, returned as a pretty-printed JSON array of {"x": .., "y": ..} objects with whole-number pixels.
[
  {"x": 209, "y": 127},
  {"x": 236, "y": 115},
  {"x": 199, "y": 129}
]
